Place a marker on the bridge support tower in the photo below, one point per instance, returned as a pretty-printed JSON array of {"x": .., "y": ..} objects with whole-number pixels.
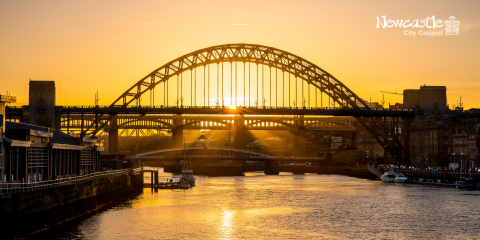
[
  {"x": 113, "y": 136},
  {"x": 177, "y": 133},
  {"x": 272, "y": 168},
  {"x": 299, "y": 141},
  {"x": 239, "y": 137}
]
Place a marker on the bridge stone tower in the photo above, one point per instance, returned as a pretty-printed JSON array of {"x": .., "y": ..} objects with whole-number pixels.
[
  {"x": 177, "y": 133},
  {"x": 239, "y": 131},
  {"x": 41, "y": 104},
  {"x": 299, "y": 142}
]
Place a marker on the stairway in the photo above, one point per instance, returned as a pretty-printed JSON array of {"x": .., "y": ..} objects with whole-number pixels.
[{"x": 374, "y": 171}]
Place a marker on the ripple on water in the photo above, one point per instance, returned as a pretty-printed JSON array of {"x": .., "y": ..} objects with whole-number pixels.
[{"x": 286, "y": 207}]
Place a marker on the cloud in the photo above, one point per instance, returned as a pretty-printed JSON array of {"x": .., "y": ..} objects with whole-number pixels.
[{"x": 469, "y": 26}]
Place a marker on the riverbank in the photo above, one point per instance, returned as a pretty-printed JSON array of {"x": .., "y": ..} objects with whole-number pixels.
[{"x": 26, "y": 213}]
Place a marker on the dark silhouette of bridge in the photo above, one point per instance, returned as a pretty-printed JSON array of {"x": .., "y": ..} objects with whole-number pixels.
[{"x": 282, "y": 97}]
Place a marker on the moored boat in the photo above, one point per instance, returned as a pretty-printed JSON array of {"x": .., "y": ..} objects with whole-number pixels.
[
  {"x": 174, "y": 185},
  {"x": 393, "y": 177},
  {"x": 187, "y": 173},
  {"x": 466, "y": 183}
]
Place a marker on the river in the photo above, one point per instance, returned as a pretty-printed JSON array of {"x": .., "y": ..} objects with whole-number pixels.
[{"x": 286, "y": 206}]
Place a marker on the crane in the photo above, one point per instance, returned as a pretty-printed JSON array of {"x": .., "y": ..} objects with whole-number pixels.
[{"x": 396, "y": 93}]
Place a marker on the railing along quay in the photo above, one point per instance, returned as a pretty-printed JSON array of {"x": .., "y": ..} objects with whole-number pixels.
[{"x": 36, "y": 186}]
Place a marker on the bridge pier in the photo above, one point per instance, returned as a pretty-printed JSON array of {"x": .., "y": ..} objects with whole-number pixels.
[
  {"x": 113, "y": 136},
  {"x": 177, "y": 133},
  {"x": 299, "y": 142},
  {"x": 272, "y": 168},
  {"x": 239, "y": 137}
]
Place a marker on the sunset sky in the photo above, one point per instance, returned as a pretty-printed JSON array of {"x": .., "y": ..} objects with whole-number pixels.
[{"x": 106, "y": 46}]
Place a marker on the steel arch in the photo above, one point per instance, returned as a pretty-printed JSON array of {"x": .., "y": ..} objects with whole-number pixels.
[
  {"x": 271, "y": 57},
  {"x": 125, "y": 124},
  {"x": 252, "y": 53}
]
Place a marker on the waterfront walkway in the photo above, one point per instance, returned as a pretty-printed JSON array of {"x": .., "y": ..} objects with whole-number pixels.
[{"x": 36, "y": 186}]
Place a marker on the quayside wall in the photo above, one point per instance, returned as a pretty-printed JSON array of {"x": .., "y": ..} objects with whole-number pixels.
[
  {"x": 25, "y": 213},
  {"x": 443, "y": 176}
]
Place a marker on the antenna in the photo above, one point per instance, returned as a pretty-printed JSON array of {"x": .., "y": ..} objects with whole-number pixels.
[{"x": 96, "y": 99}]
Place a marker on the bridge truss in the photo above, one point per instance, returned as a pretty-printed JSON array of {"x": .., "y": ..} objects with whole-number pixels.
[{"x": 278, "y": 78}]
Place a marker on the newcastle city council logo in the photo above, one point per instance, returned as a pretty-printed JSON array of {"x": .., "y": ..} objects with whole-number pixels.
[
  {"x": 451, "y": 26},
  {"x": 429, "y": 26}
]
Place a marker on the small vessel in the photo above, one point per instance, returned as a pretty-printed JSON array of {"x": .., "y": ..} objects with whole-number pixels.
[
  {"x": 465, "y": 184},
  {"x": 174, "y": 185},
  {"x": 184, "y": 185},
  {"x": 187, "y": 170},
  {"x": 395, "y": 177},
  {"x": 187, "y": 173}
]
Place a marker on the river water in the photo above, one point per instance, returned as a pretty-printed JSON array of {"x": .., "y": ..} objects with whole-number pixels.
[{"x": 286, "y": 206}]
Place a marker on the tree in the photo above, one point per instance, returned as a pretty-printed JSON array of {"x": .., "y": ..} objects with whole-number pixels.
[
  {"x": 44, "y": 121},
  {"x": 341, "y": 158},
  {"x": 360, "y": 156}
]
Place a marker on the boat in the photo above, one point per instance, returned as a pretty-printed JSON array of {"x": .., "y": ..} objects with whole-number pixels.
[
  {"x": 187, "y": 170},
  {"x": 465, "y": 183},
  {"x": 187, "y": 173},
  {"x": 174, "y": 185},
  {"x": 395, "y": 177},
  {"x": 184, "y": 185}
]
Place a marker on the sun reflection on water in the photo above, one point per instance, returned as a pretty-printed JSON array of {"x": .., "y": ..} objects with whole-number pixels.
[{"x": 227, "y": 221}]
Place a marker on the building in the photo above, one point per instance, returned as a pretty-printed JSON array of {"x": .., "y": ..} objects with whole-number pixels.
[
  {"x": 427, "y": 98},
  {"x": 31, "y": 153},
  {"x": 41, "y": 100},
  {"x": 202, "y": 142},
  {"x": 396, "y": 106},
  {"x": 273, "y": 146},
  {"x": 339, "y": 142},
  {"x": 368, "y": 141},
  {"x": 317, "y": 142},
  {"x": 456, "y": 137},
  {"x": 4, "y": 99},
  {"x": 427, "y": 138},
  {"x": 473, "y": 140}
]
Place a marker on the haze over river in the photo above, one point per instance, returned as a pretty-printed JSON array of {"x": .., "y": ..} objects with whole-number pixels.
[{"x": 284, "y": 207}]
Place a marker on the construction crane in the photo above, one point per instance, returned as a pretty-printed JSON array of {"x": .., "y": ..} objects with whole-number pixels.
[{"x": 396, "y": 93}]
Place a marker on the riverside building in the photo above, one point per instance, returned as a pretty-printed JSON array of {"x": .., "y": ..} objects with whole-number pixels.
[{"x": 33, "y": 153}]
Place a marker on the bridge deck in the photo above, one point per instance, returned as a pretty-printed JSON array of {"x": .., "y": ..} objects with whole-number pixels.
[{"x": 203, "y": 110}]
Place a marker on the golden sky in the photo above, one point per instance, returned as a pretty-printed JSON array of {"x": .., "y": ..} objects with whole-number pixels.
[{"x": 107, "y": 46}]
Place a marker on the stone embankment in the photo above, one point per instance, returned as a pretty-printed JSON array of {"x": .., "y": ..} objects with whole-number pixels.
[{"x": 25, "y": 213}]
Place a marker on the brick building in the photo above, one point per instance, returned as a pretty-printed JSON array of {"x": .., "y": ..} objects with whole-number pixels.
[{"x": 428, "y": 98}]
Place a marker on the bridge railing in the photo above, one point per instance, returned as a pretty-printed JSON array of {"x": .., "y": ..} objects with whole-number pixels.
[{"x": 40, "y": 185}]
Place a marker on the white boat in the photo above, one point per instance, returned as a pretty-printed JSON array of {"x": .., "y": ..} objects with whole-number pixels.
[
  {"x": 187, "y": 170},
  {"x": 395, "y": 177},
  {"x": 187, "y": 173}
]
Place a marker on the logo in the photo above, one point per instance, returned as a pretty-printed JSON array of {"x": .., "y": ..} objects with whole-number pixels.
[
  {"x": 429, "y": 26},
  {"x": 452, "y": 26}
]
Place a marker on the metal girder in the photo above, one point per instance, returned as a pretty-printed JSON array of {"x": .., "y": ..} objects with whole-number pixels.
[{"x": 271, "y": 57}]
